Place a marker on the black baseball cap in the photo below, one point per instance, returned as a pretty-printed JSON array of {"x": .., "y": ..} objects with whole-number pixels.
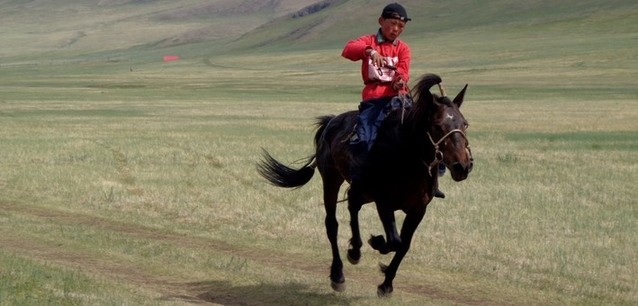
[{"x": 395, "y": 11}]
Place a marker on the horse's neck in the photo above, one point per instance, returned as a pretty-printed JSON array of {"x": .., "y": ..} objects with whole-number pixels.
[{"x": 410, "y": 135}]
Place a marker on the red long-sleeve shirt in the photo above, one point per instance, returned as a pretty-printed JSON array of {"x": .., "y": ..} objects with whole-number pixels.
[{"x": 396, "y": 52}]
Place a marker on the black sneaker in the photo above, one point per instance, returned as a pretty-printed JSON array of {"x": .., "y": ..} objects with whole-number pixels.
[{"x": 441, "y": 169}]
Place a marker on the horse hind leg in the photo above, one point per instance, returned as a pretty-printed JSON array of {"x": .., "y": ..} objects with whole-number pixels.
[
  {"x": 330, "y": 194},
  {"x": 337, "y": 279},
  {"x": 355, "y": 201}
]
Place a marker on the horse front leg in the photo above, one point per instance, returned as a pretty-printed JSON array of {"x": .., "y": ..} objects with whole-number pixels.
[
  {"x": 410, "y": 225},
  {"x": 389, "y": 226}
]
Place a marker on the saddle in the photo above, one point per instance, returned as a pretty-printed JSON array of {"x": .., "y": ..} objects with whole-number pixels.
[{"x": 371, "y": 114}]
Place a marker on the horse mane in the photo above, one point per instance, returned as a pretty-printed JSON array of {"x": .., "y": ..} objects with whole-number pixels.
[
  {"x": 423, "y": 100},
  {"x": 423, "y": 88},
  {"x": 424, "y": 97}
]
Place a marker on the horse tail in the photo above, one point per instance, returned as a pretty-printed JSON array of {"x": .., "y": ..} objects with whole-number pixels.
[{"x": 281, "y": 175}]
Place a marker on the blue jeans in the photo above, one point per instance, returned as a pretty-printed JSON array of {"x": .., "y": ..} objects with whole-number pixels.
[{"x": 371, "y": 115}]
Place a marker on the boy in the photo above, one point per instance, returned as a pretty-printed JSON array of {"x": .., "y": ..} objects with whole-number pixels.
[
  {"x": 385, "y": 71},
  {"x": 385, "y": 59}
]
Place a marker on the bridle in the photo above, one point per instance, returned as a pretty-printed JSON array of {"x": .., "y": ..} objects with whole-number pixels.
[{"x": 438, "y": 155}]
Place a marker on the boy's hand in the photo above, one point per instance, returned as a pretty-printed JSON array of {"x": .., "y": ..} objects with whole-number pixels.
[
  {"x": 376, "y": 58},
  {"x": 398, "y": 84}
]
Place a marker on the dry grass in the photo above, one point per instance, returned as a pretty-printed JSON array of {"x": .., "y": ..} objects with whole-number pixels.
[
  {"x": 546, "y": 216},
  {"x": 142, "y": 183}
]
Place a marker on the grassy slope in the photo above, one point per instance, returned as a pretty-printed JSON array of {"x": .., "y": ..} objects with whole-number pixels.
[
  {"x": 70, "y": 28},
  {"x": 140, "y": 177}
]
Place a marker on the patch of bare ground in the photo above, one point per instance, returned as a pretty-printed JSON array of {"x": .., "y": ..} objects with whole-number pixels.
[
  {"x": 122, "y": 2},
  {"x": 231, "y": 28},
  {"x": 175, "y": 288},
  {"x": 232, "y": 8},
  {"x": 315, "y": 7},
  {"x": 202, "y": 34}
]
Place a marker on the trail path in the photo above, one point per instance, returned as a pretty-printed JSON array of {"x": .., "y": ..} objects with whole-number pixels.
[{"x": 176, "y": 288}]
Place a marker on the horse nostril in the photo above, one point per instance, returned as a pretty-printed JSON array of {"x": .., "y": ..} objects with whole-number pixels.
[{"x": 458, "y": 167}]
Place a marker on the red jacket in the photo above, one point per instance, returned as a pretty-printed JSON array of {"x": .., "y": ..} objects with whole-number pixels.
[{"x": 396, "y": 52}]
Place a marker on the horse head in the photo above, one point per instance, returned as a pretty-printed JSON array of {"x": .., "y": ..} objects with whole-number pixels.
[{"x": 445, "y": 126}]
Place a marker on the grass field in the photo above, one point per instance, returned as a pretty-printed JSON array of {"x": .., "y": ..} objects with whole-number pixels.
[{"x": 128, "y": 181}]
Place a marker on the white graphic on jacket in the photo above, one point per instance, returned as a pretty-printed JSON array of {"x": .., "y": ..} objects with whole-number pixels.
[{"x": 383, "y": 74}]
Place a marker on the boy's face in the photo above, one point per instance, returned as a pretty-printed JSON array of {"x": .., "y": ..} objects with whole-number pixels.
[{"x": 391, "y": 28}]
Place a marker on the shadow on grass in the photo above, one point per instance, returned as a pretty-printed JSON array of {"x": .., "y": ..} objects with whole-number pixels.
[{"x": 221, "y": 292}]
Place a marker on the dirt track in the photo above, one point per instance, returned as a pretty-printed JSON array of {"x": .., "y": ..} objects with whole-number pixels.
[{"x": 170, "y": 288}]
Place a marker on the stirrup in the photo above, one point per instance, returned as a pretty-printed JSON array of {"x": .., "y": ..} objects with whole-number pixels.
[{"x": 352, "y": 137}]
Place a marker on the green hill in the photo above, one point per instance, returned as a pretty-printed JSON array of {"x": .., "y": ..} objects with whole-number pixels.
[
  {"x": 68, "y": 28},
  {"x": 515, "y": 48}
]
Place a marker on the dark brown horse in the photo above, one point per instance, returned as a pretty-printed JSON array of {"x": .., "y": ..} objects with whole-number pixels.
[{"x": 400, "y": 172}]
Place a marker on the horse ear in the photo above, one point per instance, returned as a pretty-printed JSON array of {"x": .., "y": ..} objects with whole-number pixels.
[{"x": 458, "y": 100}]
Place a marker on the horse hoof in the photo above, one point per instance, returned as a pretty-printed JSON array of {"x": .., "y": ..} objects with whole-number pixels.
[
  {"x": 377, "y": 242},
  {"x": 354, "y": 256},
  {"x": 383, "y": 291},
  {"x": 338, "y": 286}
]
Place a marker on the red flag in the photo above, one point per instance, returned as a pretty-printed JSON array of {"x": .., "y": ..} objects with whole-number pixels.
[{"x": 170, "y": 58}]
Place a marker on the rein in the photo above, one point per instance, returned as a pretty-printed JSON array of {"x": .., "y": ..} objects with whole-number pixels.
[
  {"x": 403, "y": 97},
  {"x": 438, "y": 155}
]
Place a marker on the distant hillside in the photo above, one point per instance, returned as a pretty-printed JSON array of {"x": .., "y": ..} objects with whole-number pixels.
[
  {"x": 347, "y": 19},
  {"x": 68, "y": 28}
]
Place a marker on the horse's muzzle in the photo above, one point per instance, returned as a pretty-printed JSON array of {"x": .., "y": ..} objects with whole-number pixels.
[{"x": 460, "y": 171}]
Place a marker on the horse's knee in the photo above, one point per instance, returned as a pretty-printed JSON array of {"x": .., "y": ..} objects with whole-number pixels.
[
  {"x": 378, "y": 243},
  {"x": 394, "y": 244},
  {"x": 354, "y": 208},
  {"x": 355, "y": 199}
]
